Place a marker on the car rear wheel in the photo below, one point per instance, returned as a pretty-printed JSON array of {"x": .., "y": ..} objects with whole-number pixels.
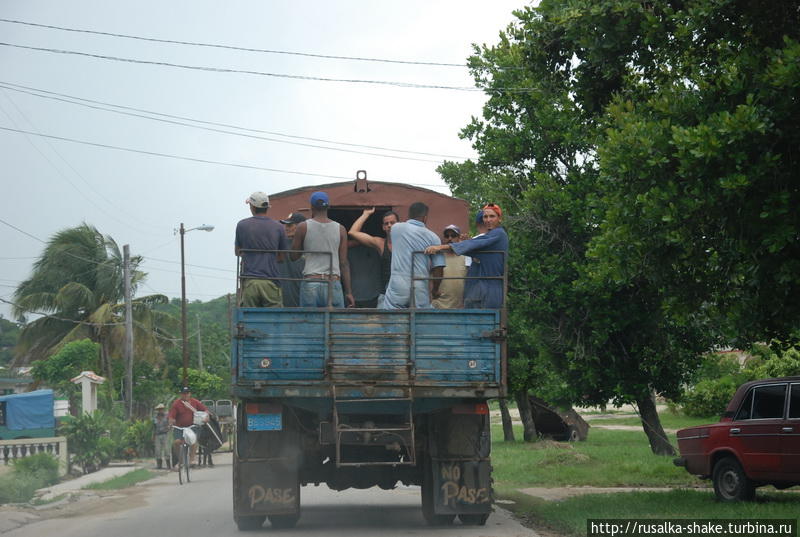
[{"x": 730, "y": 482}]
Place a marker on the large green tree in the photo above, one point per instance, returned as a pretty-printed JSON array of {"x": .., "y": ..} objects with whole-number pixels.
[
  {"x": 649, "y": 153},
  {"x": 699, "y": 162},
  {"x": 77, "y": 287}
]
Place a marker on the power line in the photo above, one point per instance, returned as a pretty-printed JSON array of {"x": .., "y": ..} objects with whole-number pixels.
[
  {"x": 232, "y": 47},
  {"x": 20, "y": 88},
  {"x": 173, "y": 122},
  {"x": 177, "y": 157},
  {"x": 58, "y": 170},
  {"x": 245, "y": 71}
]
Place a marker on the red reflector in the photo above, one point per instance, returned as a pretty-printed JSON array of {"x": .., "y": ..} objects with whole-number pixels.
[
  {"x": 475, "y": 408},
  {"x": 262, "y": 408}
]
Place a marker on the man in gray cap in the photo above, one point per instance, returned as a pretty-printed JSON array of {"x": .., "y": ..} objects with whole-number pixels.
[{"x": 259, "y": 268}]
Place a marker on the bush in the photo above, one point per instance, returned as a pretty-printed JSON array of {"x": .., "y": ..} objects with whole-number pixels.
[
  {"x": 87, "y": 440},
  {"x": 139, "y": 438},
  {"x": 18, "y": 488},
  {"x": 771, "y": 364},
  {"x": 710, "y": 397},
  {"x": 29, "y": 474},
  {"x": 42, "y": 464}
]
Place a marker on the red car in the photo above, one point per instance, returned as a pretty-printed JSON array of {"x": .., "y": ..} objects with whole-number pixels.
[{"x": 755, "y": 443}]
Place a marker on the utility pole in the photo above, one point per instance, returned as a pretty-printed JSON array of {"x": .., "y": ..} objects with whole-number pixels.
[
  {"x": 199, "y": 346},
  {"x": 126, "y": 270}
]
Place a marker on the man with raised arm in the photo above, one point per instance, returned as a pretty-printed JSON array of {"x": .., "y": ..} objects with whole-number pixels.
[{"x": 382, "y": 245}]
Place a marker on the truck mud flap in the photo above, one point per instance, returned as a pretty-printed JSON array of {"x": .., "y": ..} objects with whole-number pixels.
[
  {"x": 462, "y": 487},
  {"x": 265, "y": 488}
]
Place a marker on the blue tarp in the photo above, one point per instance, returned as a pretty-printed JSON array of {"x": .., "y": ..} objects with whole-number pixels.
[{"x": 32, "y": 410}]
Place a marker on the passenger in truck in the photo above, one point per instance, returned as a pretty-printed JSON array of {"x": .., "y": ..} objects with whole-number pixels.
[
  {"x": 488, "y": 253},
  {"x": 259, "y": 268},
  {"x": 381, "y": 244},
  {"x": 289, "y": 268},
  {"x": 329, "y": 268},
  {"x": 451, "y": 292},
  {"x": 407, "y": 238}
]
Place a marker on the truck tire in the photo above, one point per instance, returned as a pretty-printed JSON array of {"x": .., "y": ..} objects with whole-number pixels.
[
  {"x": 249, "y": 523},
  {"x": 730, "y": 482},
  {"x": 283, "y": 521},
  {"x": 473, "y": 520}
]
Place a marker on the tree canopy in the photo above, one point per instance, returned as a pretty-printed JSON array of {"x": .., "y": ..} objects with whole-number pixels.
[
  {"x": 644, "y": 151},
  {"x": 77, "y": 288}
]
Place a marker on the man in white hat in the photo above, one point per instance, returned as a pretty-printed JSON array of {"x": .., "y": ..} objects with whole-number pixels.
[
  {"x": 451, "y": 292},
  {"x": 259, "y": 268},
  {"x": 161, "y": 438}
]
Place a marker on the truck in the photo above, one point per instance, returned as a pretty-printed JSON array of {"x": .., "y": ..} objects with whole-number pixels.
[
  {"x": 359, "y": 398},
  {"x": 27, "y": 415}
]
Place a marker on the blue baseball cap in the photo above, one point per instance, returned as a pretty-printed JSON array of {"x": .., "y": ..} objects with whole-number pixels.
[
  {"x": 320, "y": 200},
  {"x": 479, "y": 217}
]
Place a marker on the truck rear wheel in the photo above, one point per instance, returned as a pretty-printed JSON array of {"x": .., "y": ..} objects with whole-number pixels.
[
  {"x": 473, "y": 520},
  {"x": 249, "y": 523}
]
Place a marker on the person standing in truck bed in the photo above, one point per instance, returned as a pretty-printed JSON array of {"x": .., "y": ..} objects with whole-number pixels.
[
  {"x": 321, "y": 234},
  {"x": 484, "y": 292},
  {"x": 407, "y": 238},
  {"x": 291, "y": 268},
  {"x": 259, "y": 268},
  {"x": 382, "y": 245}
]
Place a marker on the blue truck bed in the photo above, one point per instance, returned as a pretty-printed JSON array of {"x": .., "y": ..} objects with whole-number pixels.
[{"x": 302, "y": 352}]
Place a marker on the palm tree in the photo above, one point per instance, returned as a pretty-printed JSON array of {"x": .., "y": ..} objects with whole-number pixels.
[{"x": 77, "y": 286}]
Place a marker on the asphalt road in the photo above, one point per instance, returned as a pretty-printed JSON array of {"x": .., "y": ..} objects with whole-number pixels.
[{"x": 160, "y": 507}]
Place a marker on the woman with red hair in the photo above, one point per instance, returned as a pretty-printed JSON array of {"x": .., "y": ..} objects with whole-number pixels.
[{"x": 488, "y": 263}]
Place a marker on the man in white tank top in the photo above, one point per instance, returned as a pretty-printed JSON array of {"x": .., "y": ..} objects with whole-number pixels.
[{"x": 325, "y": 245}]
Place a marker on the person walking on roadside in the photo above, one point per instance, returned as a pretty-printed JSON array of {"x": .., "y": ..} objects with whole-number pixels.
[
  {"x": 325, "y": 245},
  {"x": 259, "y": 269},
  {"x": 161, "y": 429}
]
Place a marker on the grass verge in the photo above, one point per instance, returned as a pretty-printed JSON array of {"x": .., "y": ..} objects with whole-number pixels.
[
  {"x": 607, "y": 459},
  {"x": 613, "y": 458},
  {"x": 123, "y": 481},
  {"x": 568, "y": 517},
  {"x": 669, "y": 420}
]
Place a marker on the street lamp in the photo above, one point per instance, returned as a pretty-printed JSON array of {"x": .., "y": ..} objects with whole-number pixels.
[{"x": 184, "y": 338}]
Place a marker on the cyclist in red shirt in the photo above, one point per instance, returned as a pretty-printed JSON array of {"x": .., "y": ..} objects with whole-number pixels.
[{"x": 181, "y": 414}]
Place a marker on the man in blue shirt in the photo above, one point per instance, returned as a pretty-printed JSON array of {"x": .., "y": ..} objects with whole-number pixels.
[
  {"x": 408, "y": 237},
  {"x": 259, "y": 268},
  {"x": 488, "y": 253}
]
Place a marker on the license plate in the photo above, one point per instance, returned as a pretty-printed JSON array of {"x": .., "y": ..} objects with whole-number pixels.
[{"x": 264, "y": 422}]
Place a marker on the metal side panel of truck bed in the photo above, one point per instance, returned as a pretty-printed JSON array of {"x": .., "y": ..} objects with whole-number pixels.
[{"x": 303, "y": 351}]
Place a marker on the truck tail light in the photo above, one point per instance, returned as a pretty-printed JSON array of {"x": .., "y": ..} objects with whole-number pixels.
[{"x": 471, "y": 408}]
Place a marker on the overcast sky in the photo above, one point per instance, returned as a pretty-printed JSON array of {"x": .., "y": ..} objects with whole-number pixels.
[{"x": 139, "y": 199}]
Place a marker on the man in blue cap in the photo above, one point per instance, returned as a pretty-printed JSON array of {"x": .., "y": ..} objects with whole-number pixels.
[{"x": 325, "y": 245}]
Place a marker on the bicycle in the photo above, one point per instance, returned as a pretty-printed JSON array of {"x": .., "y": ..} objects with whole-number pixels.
[{"x": 184, "y": 460}]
